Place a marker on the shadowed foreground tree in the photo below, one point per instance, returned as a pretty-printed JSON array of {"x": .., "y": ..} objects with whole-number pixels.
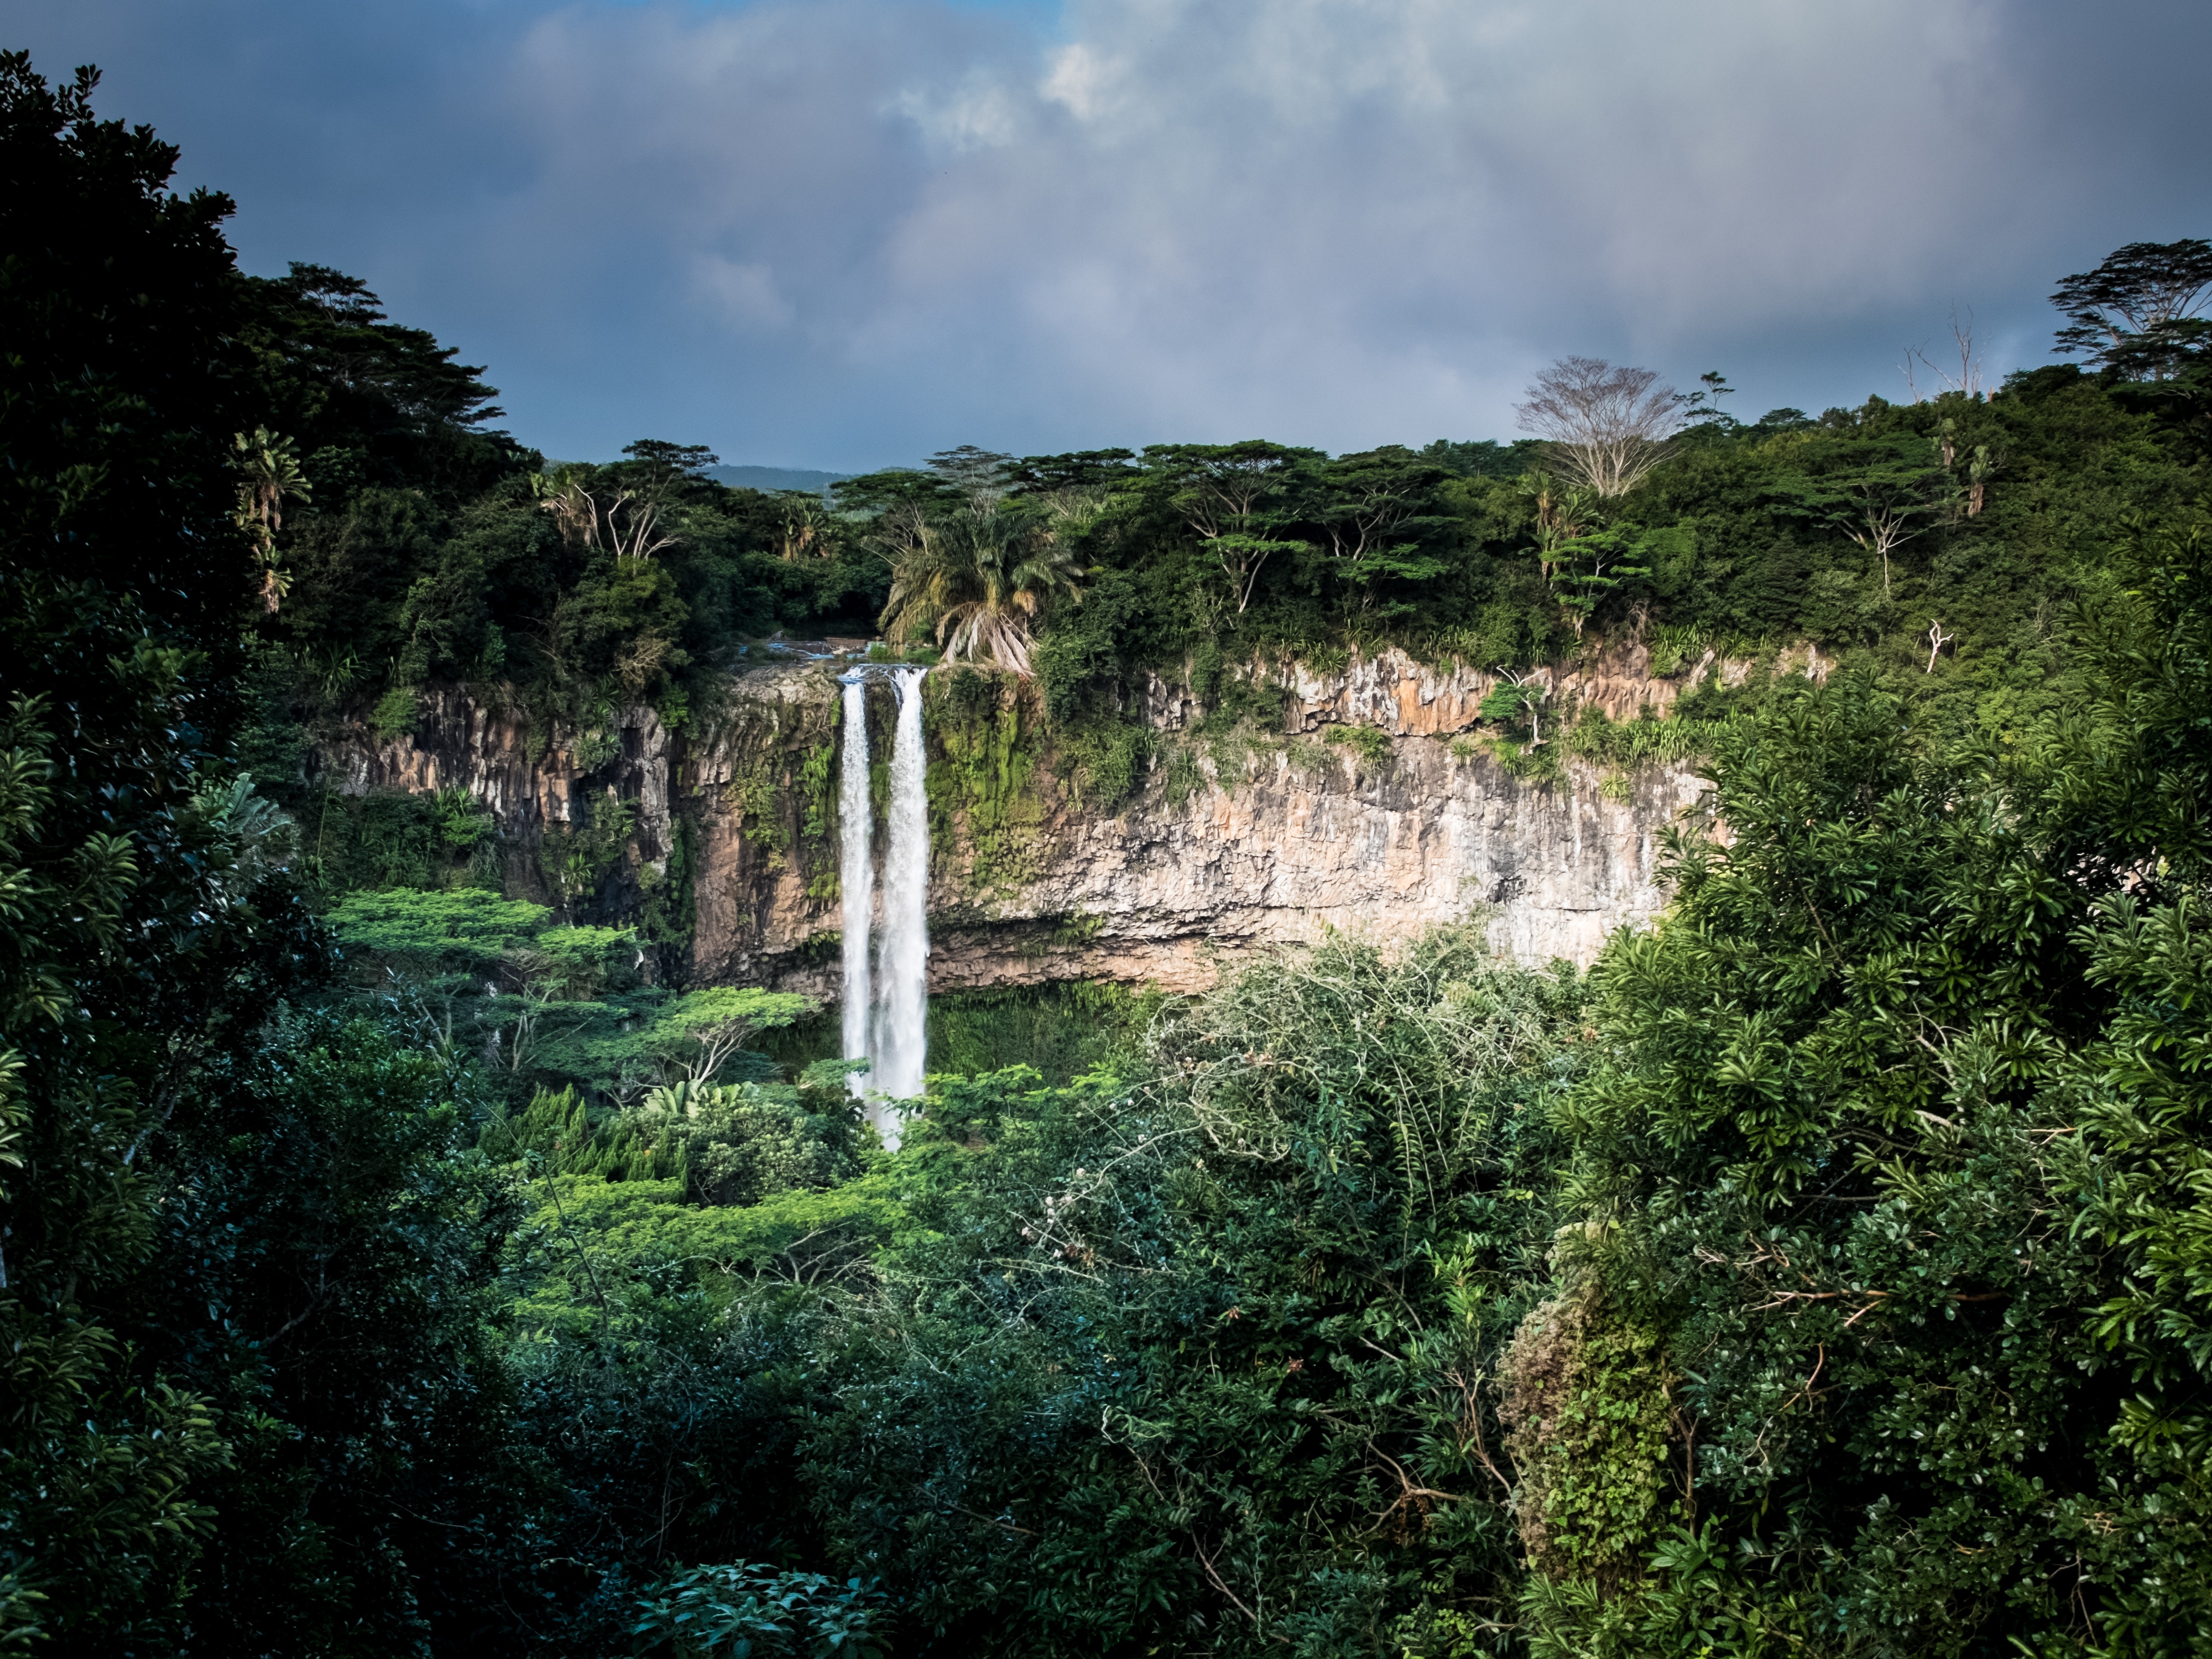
[
  {"x": 121, "y": 577},
  {"x": 242, "y": 1347}
]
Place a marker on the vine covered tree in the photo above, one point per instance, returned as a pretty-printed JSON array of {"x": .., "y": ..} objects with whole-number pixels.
[{"x": 272, "y": 476}]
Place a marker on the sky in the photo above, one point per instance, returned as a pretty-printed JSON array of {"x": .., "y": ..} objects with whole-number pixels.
[{"x": 848, "y": 234}]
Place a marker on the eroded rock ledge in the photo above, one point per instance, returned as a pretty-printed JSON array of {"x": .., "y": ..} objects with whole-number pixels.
[{"x": 1236, "y": 847}]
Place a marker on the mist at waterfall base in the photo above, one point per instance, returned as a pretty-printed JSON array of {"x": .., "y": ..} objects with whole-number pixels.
[{"x": 886, "y": 1001}]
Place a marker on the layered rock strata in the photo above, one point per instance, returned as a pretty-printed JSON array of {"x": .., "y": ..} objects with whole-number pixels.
[{"x": 1234, "y": 844}]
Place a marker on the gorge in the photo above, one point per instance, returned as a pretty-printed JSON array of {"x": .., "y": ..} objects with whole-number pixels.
[{"x": 436, "y": 1214}]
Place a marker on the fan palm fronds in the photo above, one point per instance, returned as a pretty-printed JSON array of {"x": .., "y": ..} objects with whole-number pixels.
[
  {"x": 269, "y": 466},
  {"x": 977, "y": 579}
]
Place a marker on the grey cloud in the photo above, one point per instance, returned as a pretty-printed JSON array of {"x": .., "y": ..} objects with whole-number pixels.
[{"x": 843, "y": 232}]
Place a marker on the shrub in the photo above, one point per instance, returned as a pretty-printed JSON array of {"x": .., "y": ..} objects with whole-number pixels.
[{"x": 396, "y": 713}]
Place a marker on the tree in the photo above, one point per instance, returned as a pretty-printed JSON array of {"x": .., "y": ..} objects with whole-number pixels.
[
  {"x": 1215, "y": 1354},
  {"x": 2138, "y": 314},
  {"x": 1587, "y": 567},
  {"x": 608, "y": 514},
  {"x": 371, "y": 403},
  {"x": 1235, "y": 498},
  {"x": 1885, "y": 509},
  {"x": 270, "y": 466},
  {"x": 661, "y": 469},
  {"x": 1562, "y": 515},
  {"x": 1581, "y": 558},
  {"x": 700, "y": 1032},
  {"x": 739, "y": 1142},
  {"x": 1967, "y": 382},
  {"x": 469, "y": 930},
  {"x": 1376, "y": 509},
  {"x": 1825, "y": 1175},
  {"x": 620, "y": 507},
  {"x": 1379, "y": 515},
  {"x": 1894, "y": 1164},
  {"x": 808, "y": 525},
  {"x": 1705, "y": 404},
  {"x": 126, "y": 954},
  {"x": 1487, "y": 460},
  {"x": 977, "y": 578},
  {"x": 2133, "y": 815},
  {"x": 1879, "y": 493},
  {"x": 1608, "y": 426},
  {"x": 1370, "y": 501},
  {"x": 1515, "y": 693},
  {"x": 872, "y": 495},
  {"x": 321, "y": 1195},
  {"x": 96, "y": 1522},
  {"x": 1082, "y": 469},
  {"x": 979, "y": 477},
  {"x": 147, "y": 1428},
  {"x": 1704, "y": 420}
]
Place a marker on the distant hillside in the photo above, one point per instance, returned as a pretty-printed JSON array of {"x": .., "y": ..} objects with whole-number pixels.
[{"x": 775, "y": 478}]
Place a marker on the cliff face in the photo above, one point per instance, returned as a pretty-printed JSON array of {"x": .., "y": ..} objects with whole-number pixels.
[{"x": 1361, "y": 812}]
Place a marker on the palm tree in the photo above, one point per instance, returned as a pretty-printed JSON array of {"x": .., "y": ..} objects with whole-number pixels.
[
  {"x": 272, "y": 476},
  {"x": 806, "y": 525},
  {"x": 978, "y": 577}
]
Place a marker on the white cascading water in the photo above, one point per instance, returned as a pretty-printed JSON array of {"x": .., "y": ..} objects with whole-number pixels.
[
  {"x": 902, "y": 966},
  {"x": 856, "y": 872},
  {"x": 888, "y": 1027}
]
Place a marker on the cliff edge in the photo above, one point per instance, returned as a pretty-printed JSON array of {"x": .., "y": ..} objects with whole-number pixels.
[{"x": 1366, "y": 808}]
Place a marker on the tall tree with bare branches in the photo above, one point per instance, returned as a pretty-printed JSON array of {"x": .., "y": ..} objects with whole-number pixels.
[{"x": 1609, "y": 424}]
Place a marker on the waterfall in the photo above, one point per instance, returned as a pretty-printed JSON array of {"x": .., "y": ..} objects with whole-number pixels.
[
  {"x": 886, "y": 992},
  {"x": 856, "y": 872},
  {"x": 903, "y": 968}
]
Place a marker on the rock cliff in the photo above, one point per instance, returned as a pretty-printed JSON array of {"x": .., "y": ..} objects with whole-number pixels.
[{"x": 1364, "y": 809}]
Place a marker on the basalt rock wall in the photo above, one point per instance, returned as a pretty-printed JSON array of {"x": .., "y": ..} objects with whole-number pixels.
[{"x": 1231, "y": 843}]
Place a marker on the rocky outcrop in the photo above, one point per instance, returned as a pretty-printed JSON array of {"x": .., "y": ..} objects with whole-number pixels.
[
  {"x": 1234, "y": 842},
  {"x": 1382, "y": 846}
]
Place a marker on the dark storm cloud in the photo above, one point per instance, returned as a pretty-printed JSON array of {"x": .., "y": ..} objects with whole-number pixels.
[{"x": 848, "y": 231}]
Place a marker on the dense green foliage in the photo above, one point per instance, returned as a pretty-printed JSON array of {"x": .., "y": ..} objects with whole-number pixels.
[
  {"x": 429, "y": 552},
  {"x": 1871, "y": 1149},
  {"x": 132, "y": 945},
  {"x": 545, "y": 1005},
  {"x": 430, "y": 549},
  {"x": 392, "y": 1265}
]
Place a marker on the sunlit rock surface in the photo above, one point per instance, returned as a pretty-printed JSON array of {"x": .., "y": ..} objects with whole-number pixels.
[{"x": 1294, "y": 836}]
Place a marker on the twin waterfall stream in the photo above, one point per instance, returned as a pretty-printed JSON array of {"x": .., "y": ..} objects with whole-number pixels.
[{"x": 886, "y": 990}]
